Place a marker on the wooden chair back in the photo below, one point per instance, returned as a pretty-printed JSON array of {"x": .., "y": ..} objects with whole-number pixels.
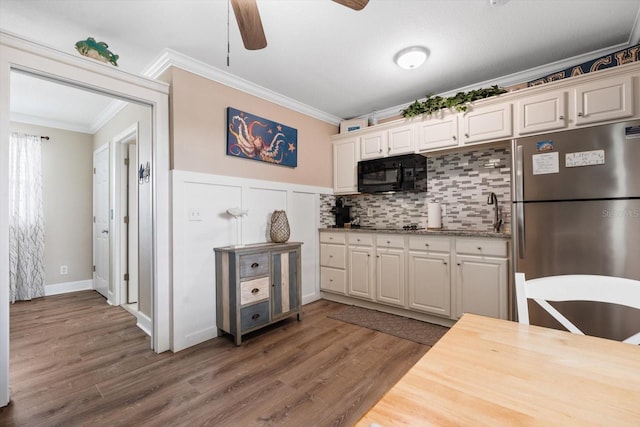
[{"x": 576, "y": 287}]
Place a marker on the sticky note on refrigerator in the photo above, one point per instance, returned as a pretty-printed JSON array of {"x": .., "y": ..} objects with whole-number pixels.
[
  {"x": 584, "y": 158},
  {"x": 545, "y": 163}
]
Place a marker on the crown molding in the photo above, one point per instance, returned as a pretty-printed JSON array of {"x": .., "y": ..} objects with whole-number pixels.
[
  {"x": 171, "y": 58},
  {"x": 107, "y": 114},
  {"x": 49, "y": 123},
  {"x": 522, "y": 76}
]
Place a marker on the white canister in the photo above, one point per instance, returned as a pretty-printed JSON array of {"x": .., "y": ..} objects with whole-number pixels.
[{"x": 434, "y": 216}]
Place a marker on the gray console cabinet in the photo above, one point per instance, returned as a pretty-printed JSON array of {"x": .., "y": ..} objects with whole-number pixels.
[{"x": 256, "y": 285}]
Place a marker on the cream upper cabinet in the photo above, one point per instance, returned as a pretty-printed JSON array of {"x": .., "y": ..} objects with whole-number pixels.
[
  {"x": 400, "y": 140},
  {"x": 434, "y": 133},
  {"x": 481, "y": 277},
  {"x": 346, "y": 154},
  {"x": 487, "y": 123},
  {"x": 541, "y": 113},
  {"x": 602, "y": 100},
  {"x": 373, "y": 145},
  {"x": 429, "y": 275}
]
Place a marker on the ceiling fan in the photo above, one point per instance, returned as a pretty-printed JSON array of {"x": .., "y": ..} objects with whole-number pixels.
[{"x": 250, "y": 25}]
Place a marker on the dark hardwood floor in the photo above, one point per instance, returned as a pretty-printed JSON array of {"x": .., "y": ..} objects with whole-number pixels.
[{"x": 75, "y": 361}]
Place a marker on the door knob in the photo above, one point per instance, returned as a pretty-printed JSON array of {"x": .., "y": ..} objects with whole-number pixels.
[{"x": 105, "y": 231}]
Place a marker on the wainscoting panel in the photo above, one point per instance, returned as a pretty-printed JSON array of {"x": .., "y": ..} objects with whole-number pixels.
[{"x": 201, "y": 223}]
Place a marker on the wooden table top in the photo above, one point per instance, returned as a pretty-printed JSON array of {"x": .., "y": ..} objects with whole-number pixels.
[{"x": 495, "y": 372}]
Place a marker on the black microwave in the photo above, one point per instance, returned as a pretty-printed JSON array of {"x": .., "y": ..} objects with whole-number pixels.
[{"x": 398, "y": 173}]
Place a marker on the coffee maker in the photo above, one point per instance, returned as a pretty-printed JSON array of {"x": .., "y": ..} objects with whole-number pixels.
[{"x": 342, "y": 213}]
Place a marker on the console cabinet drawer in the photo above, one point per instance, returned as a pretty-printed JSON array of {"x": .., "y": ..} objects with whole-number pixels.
[
  {"x": 254, "y": 315},
  {"x": 254, "y": 290},
  {"x": 254, "y": 265}
]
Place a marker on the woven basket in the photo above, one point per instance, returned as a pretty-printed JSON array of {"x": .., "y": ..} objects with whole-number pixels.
[{"x": 280, "y": 231}]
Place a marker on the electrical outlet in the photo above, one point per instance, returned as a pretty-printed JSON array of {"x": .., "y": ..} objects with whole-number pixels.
[
  {"x": 194, "y": 214},
  {"x": 64, "y": 270}
]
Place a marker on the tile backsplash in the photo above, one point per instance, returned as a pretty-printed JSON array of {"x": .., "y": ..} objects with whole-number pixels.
[{"x": 461, "y": 182}]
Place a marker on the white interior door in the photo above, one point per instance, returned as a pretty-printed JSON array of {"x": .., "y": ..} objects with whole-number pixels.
[
  {"x": 101, "y": 220},
  {"x": 132, "y": 206}
]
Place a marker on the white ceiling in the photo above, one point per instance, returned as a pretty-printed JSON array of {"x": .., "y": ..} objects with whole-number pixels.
[{"x": 324, "y": 55}]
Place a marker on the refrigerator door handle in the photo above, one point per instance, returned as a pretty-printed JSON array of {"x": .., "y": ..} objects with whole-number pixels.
[
  {"x": 519, "y": 174},
  {"x": 520, "y": 225}
]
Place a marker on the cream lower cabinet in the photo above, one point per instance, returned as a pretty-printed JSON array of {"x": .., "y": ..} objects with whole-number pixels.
[
  {"x": 429, "y": 281},
  {"x": 390, "y": 270},
  {"x": 481, "y": 277},
  {"x": 362, "y": 266},
  {"x": 333, "y": 262},
  {"x": 435, "y": 276}
]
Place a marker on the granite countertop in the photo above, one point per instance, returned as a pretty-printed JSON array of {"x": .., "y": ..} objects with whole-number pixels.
[{"x": 424, "y": 232}]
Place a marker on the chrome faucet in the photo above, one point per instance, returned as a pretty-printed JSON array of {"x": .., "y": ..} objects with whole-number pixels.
[{"x": 497, "y": 212}]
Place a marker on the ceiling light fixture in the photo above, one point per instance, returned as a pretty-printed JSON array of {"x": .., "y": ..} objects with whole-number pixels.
[{"x": 411, "y": 57}]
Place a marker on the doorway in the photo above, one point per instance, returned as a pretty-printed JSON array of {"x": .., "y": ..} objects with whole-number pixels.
[{"x": 19, "y": 55}]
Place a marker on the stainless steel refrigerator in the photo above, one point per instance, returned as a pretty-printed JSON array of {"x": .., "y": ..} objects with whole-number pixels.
[{"x": 576, "y": 210}]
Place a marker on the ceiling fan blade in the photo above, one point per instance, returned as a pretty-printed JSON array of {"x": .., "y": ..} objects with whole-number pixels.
[
  {"x": 353, "y": 4},
  {"x": 249, "y": 23}
]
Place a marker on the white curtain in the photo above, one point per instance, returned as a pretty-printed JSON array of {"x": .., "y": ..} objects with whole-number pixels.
[{"x": 26, "y": 225}]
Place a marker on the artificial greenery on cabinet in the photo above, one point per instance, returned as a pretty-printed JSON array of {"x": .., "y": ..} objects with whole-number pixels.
[{"x": 459, "y": 101}]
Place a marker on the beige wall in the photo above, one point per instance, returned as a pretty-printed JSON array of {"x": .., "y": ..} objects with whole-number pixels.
[
  {"x": 198, "y": 129},
  {"x": 67, "y": 188}
]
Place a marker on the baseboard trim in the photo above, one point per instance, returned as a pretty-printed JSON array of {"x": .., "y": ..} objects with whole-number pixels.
[
  {"x": 64, "y": 288},
  {"x": 144, "y": 323}
]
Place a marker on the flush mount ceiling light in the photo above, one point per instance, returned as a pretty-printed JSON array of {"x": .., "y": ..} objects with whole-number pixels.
[{"x": 411, "y": 57}]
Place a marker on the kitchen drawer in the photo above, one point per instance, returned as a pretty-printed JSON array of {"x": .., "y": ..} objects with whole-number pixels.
[
  {"x": 332, "y": 256},
  {"x": 333, "y": 280},
  {"x": 360, "y": 239},
  {"x": 390, "y": 241},
  {"x": 254, "y": 290},
  {"x": 253, "y": 265},
  {"x": 336, "y": 238},
  {"x": 254, "y": 315},
  {"x": 488, "y": 247},
  {"x": 440, "y": 244}
]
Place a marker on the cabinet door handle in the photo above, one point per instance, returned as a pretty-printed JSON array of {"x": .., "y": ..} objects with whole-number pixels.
[
  {"x": 255, "y": 265},
  {"x": 466, "y": 135},
  {"x": 426, "y": 244},
  {"x": 479, "y": 248},
  {"x": 380, "y": 150},
  {"x": 388, "y": 242},
  {"x": 580, "y": 114},
  {"x": 561, "y": 117},
  {"x": 255, "y": 291},
  {"x": 454, "y": 137},
  {"x": 444, "y": 262},
  {"x": 388, "y": 149},
  {"x": 255, "y": 316},
  {"x": 459, "y": 264}
]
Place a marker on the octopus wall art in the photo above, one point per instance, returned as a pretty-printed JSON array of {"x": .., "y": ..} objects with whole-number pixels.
[{"x": 253, "y": 137}]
